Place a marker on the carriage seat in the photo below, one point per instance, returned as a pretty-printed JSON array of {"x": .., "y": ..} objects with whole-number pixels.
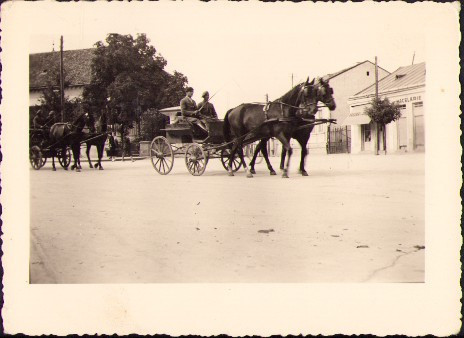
[{"x": 179, "y": 119}]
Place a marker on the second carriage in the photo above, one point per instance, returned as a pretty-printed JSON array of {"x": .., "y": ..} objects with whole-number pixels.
[{"x": 40, "y": 149}]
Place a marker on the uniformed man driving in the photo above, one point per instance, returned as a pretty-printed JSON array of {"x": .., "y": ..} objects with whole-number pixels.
[{"x": 189, "y": 110}]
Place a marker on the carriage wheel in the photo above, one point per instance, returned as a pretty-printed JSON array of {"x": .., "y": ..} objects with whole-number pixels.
[
  {"x": 64, "y": 159},
  {"x": 236, "y": 164},
  {"x": 195, "y": 159},
  {"x": 36, "y": 159},
  {"x": 161, "y": 155}
]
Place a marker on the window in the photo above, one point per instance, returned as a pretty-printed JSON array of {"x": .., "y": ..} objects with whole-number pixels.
[
  {"x": 367, "y": 132},
  {"x": 367, "y": 73}
]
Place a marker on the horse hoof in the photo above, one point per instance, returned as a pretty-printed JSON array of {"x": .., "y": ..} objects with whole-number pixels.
[
  {"x": 91, "y": 167},
  {"x": 273, "y": 173},
  {"x": 304, "y": 173},
  {"x": 249, "y": 175},
  {"x": 65, "y": 168},
  {"x": 100, "y": 168},
  {"x": 78, "y": 170},
  {"x": 284, "y": 176},
  {"x": 54, "y": 169},
  {"x": 252, "y": 171}
]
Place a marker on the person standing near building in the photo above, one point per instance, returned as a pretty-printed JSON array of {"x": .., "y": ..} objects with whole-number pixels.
[
  {"x": 188, "y": 107},
  {"x": 127, "y": 149},
  {"x": 112, "y": 147}
]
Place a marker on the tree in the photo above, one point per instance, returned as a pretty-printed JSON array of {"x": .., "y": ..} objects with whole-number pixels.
[
  {"x": 382, "y": 112},
  {"x": 128, "y": 78},
  {"x": 152, "y": 124}
]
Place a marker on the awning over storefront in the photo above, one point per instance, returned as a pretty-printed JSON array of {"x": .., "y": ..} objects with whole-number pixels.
[{"x": 357, "y": 116}]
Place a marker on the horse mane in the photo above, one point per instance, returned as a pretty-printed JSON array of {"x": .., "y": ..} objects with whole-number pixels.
[{"x": 291, "y": 96}]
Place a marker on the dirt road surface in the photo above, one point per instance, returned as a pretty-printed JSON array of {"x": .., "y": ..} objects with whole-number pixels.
[{"x": 356, "y": 218}]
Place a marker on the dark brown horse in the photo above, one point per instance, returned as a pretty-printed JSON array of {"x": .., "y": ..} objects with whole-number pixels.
[
  {"x": 97, "y": 137},
  {"x": 253, "y": 121},
  {"x": 63, "y": 135},
  {"x": 302, "y": 133}
]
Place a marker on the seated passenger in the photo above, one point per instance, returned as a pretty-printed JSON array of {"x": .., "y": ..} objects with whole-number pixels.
[
  {"x": 189, "y": 110},
  {"x": 206, "y": 108}
]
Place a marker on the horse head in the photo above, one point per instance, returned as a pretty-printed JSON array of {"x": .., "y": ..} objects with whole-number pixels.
[
  {"x": 80, "y": 122},
  {"x": 307, "y": 99},
  {"x": 324, "y": 93}
]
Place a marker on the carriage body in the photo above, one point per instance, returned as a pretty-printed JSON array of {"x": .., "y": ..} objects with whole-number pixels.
[{"x": 182, "y": 140}]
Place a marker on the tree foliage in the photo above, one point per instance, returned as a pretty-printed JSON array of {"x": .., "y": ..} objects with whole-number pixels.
[
  {"x": 128, "y": 78},
  {"x": 152, "y": 124},
  {"x": 382, "y": 111}
]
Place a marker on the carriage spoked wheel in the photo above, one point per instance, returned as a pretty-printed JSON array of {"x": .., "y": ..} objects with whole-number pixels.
[
  {"x": 236, "y": 164},
  {"x": 161, "y": 155},
  {"x": 196, "y": 159},
  {"x": 65, "y": 158},
  {"x": 36, "y": 158}
]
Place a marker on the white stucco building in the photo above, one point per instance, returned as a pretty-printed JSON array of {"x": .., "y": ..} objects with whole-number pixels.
[
  {"x": 405, "y": 86},
  {"x": 345, "y": 83}
]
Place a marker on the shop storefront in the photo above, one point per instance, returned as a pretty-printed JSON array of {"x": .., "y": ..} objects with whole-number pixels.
[{"x": 406, "y": 87}]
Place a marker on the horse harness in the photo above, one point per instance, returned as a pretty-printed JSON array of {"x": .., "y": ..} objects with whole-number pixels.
[{"x": 300, "y": 110}]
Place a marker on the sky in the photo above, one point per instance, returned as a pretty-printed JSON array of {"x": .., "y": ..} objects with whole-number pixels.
[{"x": 240, "y": 52}]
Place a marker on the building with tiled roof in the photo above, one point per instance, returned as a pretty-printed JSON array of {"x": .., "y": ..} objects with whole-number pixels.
[
  {"x": 45, "y": 67},
  {"x": 405, "y": 86}
]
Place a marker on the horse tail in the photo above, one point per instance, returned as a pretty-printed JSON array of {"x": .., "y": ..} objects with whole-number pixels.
[{"x": 226, "y": 127}]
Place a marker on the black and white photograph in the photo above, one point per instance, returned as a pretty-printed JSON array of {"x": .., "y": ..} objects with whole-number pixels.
[{"x": 195, "y": 161}]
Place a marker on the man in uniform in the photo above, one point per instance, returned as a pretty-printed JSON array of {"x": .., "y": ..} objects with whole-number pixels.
[
  {"x": 39, "y": 121},
  {"x": 51, "y": 119},
  {"x": 205, "y": 108},
  {"x": 188, "y": 107}
]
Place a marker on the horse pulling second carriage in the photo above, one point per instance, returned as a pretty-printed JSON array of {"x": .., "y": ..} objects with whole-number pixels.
[{"x": 41, "y": 149}]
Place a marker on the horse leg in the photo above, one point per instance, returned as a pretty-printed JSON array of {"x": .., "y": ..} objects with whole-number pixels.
[
  {"x": 233, "y": 151},
  {"x": 242, "y": 158},
  {"x": 100, "y": 155},
  {"x": 282, "y": 158},
  {"x": 76, "y": 155},
  {"x": 255, "y": 155},
  {"x": 288, "y": 149},
  {"x": 266, "y": 158},
  {"x": 303, "y": 141},
  {"x": 63, "y": 156},
  {"x": 87, "y": 152},
  {"x": 53, "y": 161}
]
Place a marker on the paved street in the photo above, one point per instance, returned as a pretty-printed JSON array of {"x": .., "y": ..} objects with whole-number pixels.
[{"x": 356, "y": 218}]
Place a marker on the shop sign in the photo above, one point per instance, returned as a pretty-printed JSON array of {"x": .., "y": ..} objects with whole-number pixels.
[{"x": 409, "y": 99}]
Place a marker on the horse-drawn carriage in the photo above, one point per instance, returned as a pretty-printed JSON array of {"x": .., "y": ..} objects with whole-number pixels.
[
  {"x": 64, "y": 138},
  {"x": 41, "y": 148},
  {"x": 182, "y": 140},
  {"x": 287, "y": 117}
]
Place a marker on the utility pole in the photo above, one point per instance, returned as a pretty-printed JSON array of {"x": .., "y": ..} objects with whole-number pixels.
[
  {"x": 292, "y": 80},
  {"x": 61, "y": 79},
  {"x": 413, "y": 55},
  {"x": 376, "y": 98}
]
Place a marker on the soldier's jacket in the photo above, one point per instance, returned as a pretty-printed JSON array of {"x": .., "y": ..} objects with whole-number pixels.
[
  {"x": 187, "y": 106},
  {"x": 207, "y": 110}
]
